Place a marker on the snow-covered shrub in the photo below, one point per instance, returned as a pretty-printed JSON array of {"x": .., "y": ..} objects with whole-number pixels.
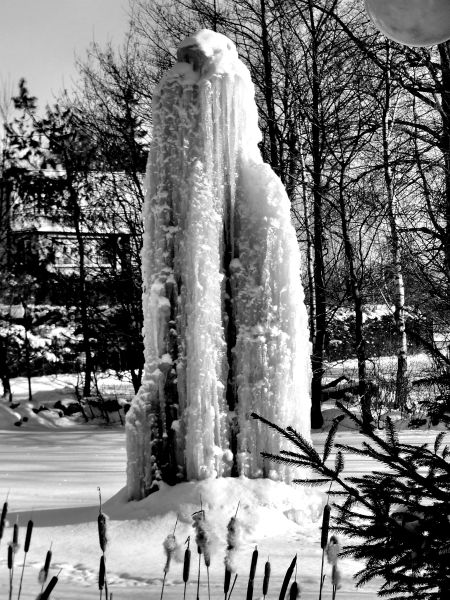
[
  {"x": 379, "y": 330},
  {"x": 49, "y": 335}
]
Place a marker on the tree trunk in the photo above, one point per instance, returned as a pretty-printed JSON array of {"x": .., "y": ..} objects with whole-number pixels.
[
  {"x": 360, "y": 343},
  {"x": 309, "y": 251},
  {"x": 4, "y": 369},
  {"x": 444, "y": 53},
  {"x": 268, "y": 91},
  {"x": 401, "y": 387},
  {"x": 83, "y": 301},
  {"x": 317, "y": 358}
]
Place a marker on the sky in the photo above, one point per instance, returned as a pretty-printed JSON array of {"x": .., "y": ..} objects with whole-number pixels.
[{"x": 39, "y": 40}]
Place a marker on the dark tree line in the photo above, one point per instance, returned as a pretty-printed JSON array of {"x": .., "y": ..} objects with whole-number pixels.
[{"x": 357, "y": 129}]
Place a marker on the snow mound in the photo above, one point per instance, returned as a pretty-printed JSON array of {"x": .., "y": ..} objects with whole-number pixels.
[
  {"x": 266, "y": 507},
  {"x": 22, "y": 415}
]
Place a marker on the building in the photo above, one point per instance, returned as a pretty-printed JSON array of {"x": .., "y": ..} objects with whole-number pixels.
[{"x": 41, "y": 237}]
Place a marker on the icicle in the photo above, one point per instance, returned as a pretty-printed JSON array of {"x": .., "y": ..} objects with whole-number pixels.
[{"x": 221, "y": 265}]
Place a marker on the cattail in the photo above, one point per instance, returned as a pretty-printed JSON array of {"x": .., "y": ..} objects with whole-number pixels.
[
  {"x": 325, "y": 525},
  {"x": 186, "y": 564},
  {"x": 203, "y": 544},
  {"x": 202, "y": 536},
  {"x": 43, "y": 573},
  {"x": 287, "y": 578},
  {"x": 3, "y": 518},
  {"x": 323, "y": 542},
  {"x": 336, "y": 577},
  {"x": 26, "y": 548},
  {"x": 28, "y": 536},
  {"x": 251, "y": 575},
  {"x": 226, "y": 581},
  {"x": 102, "y": 531},
  {"x": 101, "y": 573},
  {"x": 233, "y": 542},
  {"x": 333, "y": 549},
  {"x": 102, "y": 536},
  {"x": 48, "y": 559},
  {"x": 294, "y": 592},
  {"x": 15, "y": 540},
  {"x": 250, "y": 590},
  {"x": 253, "y": 564},
  {"x": 266, "y": 578},
  {"x": 50, "y": 587},
  {"x": 11, "y": 568},
  {"x": 170, "y": 545},
  {"x": 101, "y": 523}
]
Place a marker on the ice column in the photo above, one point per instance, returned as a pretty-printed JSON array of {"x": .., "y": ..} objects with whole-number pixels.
[{"x": 225, "y": 325}]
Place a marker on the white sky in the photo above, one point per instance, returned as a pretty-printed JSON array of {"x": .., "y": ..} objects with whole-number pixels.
[{"x": 40, "y": 38}]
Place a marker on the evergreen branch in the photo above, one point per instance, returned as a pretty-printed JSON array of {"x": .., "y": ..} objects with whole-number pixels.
[{"x": 331, "y": 435}]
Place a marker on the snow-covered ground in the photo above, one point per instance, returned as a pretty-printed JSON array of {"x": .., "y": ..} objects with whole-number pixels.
[{"x": 52, "y": 470}]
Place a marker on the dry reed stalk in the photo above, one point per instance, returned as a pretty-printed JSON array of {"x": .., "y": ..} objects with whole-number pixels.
[
  {"x": 266, "y": 578},
  {"x": 25, "y": 548},
  {"x": 199, "y": 550},
  {"x": 335, "y": 580},
  {"x": 324, "y": 541},
  {"x": 232, "y": 587},
  {"x": 12, "y": 549},
  {"x": 207, "y": 578},
  {"x": 287, "y": 578}
]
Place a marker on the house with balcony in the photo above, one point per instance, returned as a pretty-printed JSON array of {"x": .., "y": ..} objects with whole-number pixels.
[{"x": 38, "y": 237}]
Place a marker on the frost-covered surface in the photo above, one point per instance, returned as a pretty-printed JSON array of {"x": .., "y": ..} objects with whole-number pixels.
[
  {"x": 52, "y": 477},
  {"x": 225, "y": 322},
  {"x": 282, "y": 520},
  {"x": 52, "y": 474}
]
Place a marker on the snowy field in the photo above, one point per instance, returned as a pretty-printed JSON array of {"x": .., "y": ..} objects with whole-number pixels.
[{"x": 52, "y": 469}]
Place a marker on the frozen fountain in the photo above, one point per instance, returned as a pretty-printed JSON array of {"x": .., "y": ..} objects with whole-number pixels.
[{"x": 225, "y": 322}]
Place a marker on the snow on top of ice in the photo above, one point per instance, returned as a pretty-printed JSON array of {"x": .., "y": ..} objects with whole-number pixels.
[
  {"x": 211, "y": 41},
  {"x": 204, "y": 54}
]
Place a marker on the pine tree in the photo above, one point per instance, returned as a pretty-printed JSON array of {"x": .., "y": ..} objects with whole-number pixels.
[{"x": 397, "y": 517}]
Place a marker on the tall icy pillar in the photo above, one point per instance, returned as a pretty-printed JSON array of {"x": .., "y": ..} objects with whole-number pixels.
[{"x": 225, "y": 321}]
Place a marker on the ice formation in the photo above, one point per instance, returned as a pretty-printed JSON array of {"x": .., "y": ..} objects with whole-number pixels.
[{"x": 225, "y": 322}]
